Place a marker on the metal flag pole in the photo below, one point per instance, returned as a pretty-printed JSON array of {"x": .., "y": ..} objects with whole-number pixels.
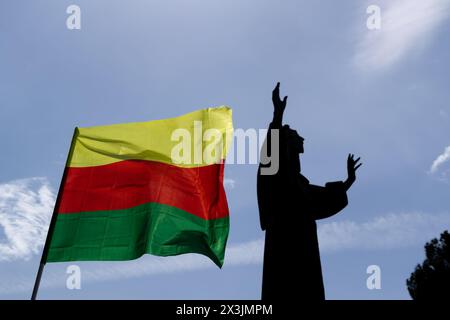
[{"x": 51, "y": 228}]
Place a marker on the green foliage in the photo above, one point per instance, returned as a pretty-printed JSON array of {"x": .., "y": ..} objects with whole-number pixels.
[{"x": 431, "y": 280}]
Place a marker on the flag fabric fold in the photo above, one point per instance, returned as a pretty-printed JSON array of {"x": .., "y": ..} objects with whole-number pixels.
[{"x": 125, "y": 193}]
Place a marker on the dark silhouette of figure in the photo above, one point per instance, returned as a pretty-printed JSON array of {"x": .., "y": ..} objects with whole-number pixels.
[
  {"x": 431, "y": 280},
  {"x": 289, "y": 207}
]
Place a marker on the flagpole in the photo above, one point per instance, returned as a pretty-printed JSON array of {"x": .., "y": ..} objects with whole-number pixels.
[{"x": 51, "y": 228}]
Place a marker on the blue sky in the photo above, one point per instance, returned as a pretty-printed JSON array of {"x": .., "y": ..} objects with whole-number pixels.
[{"x": 381, "y": 94}]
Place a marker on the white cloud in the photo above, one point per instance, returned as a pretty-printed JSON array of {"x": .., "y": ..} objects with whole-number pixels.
[
  {"x": 229, "y": 183},
  {"x": 384, "y": 232},
  {"x": 26, "y": 206},
  {"x": 406, "y": 25},
  {"x": 441, "y": 165},
  {"x": 238, "y": 254},
  {"x": 25, "y": 209},
  {"x": 443, "y": 114}
]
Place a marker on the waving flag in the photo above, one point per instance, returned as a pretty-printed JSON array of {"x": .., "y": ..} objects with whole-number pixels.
[{"x": 150, "y": 187}]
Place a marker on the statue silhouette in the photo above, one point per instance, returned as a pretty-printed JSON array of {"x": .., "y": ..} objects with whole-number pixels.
[{"x": 289, "y": 207}]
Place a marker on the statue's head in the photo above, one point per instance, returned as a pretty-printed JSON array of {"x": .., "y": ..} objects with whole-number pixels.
[{"x": 295, "y": 141}]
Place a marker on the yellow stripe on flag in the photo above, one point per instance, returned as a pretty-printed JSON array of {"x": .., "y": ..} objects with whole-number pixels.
[{"x": 154, "y": 140}]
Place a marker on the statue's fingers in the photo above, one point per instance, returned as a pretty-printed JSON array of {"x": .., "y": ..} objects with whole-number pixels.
[
  {"x": 277, "y": 88},
  {"x": 276, "y": 92},
  {"x": 359, "y": 165}
]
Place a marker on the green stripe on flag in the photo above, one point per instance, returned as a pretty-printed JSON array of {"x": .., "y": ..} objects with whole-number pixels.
[{"x": 128, "y": 234}]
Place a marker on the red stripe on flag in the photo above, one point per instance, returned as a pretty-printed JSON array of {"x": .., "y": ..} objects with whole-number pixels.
[{"x": 130, "y": 183}]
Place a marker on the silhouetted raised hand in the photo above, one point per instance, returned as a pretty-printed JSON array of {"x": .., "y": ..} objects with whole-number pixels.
[
  {"x": 352, "y": 166},
  {"x": 278, "y": 105}
]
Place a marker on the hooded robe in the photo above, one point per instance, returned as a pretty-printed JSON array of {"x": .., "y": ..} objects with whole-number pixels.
[{"x": 289, "y": 207}]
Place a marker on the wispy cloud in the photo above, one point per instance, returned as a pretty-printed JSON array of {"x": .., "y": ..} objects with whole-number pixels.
[
  {"x": 238, "y": 254},
  {"x": 26, "y": 206},
  {"x": 406, "y": 25},
  {"x": 229, "y": 183},
  {"x": 391, "y": 231},
  {"x": 384, "y": 232},
  {"x": 441, "y": 165},
  {"x": 25, "y": 210}
]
